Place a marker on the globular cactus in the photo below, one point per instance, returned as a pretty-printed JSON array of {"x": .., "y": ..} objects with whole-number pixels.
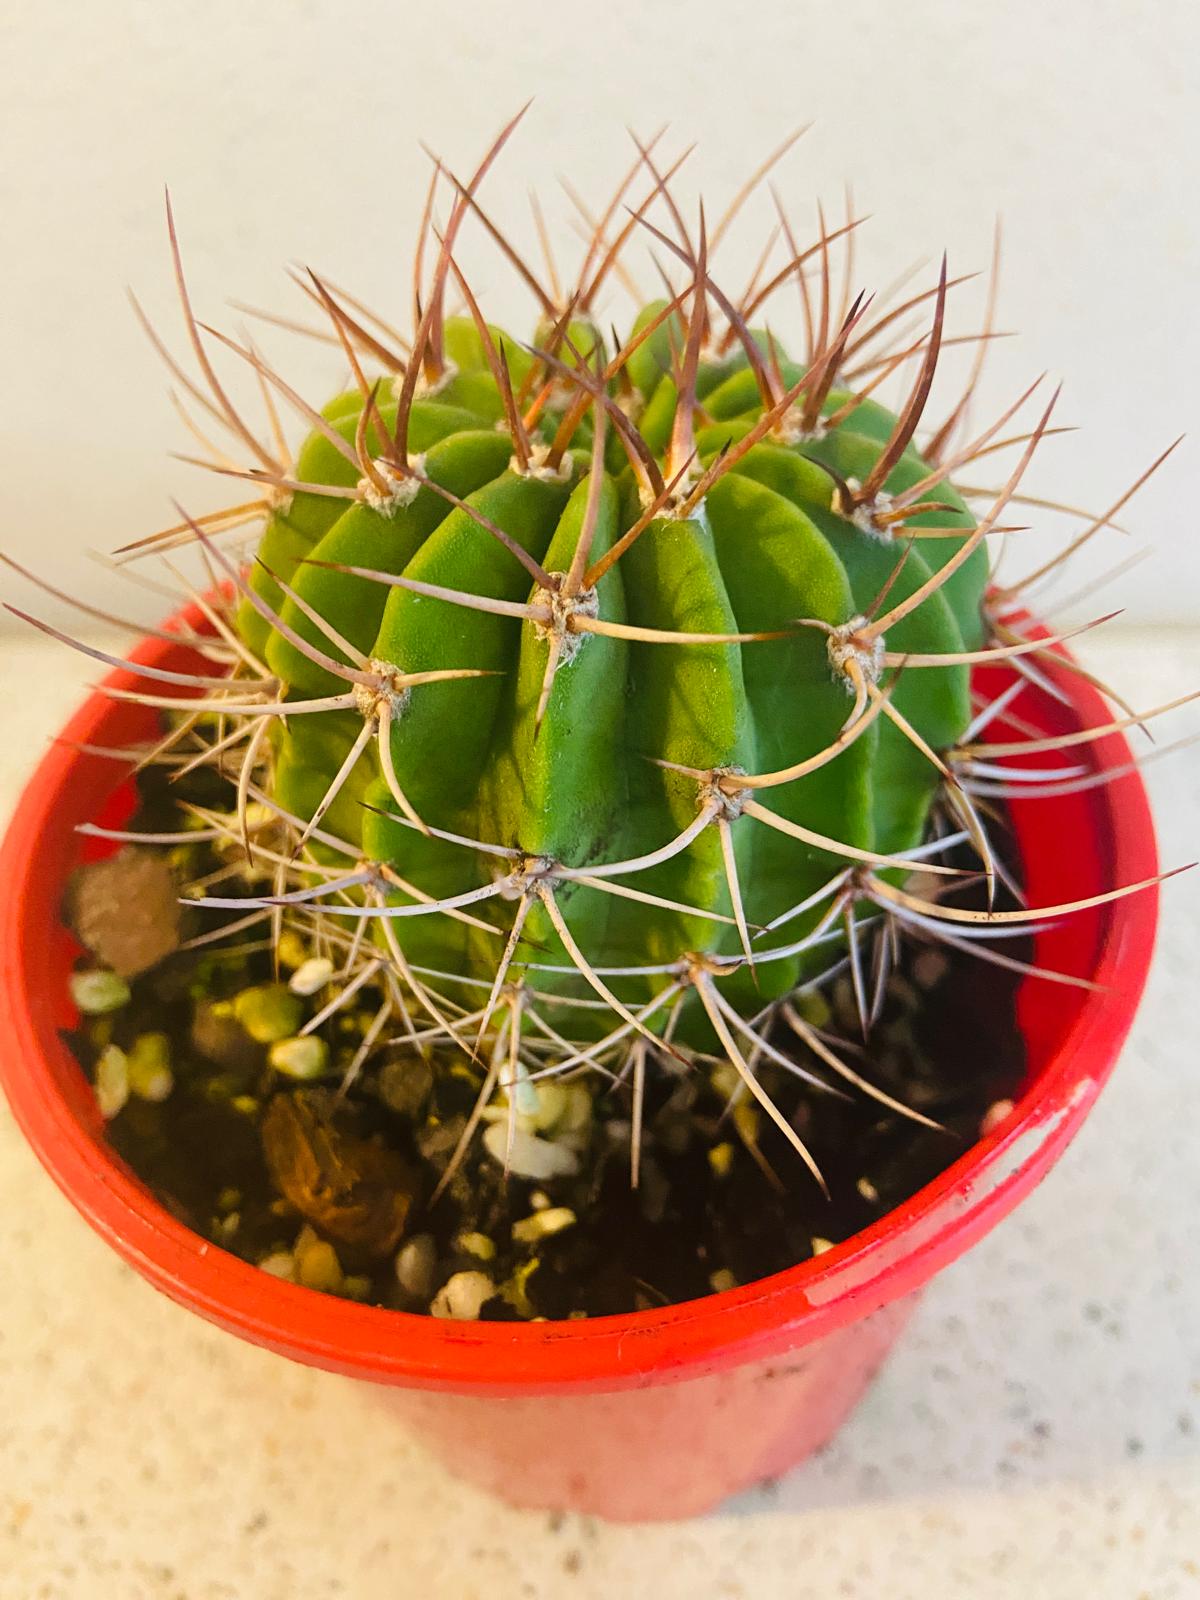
[
  {"x": 622, "y": 668},
  {"x": 607, "y": 688}
]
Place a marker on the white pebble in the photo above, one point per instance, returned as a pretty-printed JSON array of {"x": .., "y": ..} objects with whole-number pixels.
[
  {"x": 552, "y": 1219},
  {"x": 462, "y": 1296},
  {"x": 280, "y": 1265},
  {"x": 526, "y": 1095},
  {"x": 415, "y": 1263},
  {"x": 819, "y": 1246},
  {"x": 98, "y": 991},
  {"x": 550, "y": 1101},
  {"x": 311, "y": 975},
  {"x": 303, "y": 1057},
  {"x": 531, "y": 1157},
  {"x": 476, "y": 1244},
  {"x": 112, "y": 1082},
  {"x": 578, "y": 1112}
]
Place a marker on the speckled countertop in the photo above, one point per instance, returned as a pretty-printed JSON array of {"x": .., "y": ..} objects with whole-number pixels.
[{"x": 1037, "y": 1434}]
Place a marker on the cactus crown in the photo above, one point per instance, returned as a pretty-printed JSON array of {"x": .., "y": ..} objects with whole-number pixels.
[{"x": 591, "y": 697}]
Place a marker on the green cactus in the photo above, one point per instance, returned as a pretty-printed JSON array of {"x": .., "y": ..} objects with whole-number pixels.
[
  {"x": 768, "y": 573},
  {"x": 608, "y": 683}
]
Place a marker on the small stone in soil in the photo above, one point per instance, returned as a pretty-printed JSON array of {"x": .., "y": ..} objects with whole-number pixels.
[
  {"x": 318, "y": 1267},
  {"x": 476, "y": 1244},
  {"x": 529, "y": 1156},
  {"x": 540, "y": 1224},
  {"x": 300, "y": 1058},
  {"x": 268, "y": 1012},
  {"x": 217, "y": 1035},
  {"x": 112, "y": 1081},
  {"x": 98, "y": 992},
  {"x": 311, "y": 975},
  {"x": 462, "y": 1296},
  {"x": 416, "y": 1263},
  {"x": 150, "y": 1075},
  {"x": 126, "y": 909},
  {"x": 405, "y": 1086}
]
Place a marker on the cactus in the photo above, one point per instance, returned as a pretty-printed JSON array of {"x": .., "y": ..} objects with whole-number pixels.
[
  {"x": 598, "y": 654},
  {"x": 606, "y": 691}
]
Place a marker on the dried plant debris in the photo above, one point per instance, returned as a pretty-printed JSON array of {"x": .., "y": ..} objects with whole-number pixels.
[{"x": 356, "y": 1191}]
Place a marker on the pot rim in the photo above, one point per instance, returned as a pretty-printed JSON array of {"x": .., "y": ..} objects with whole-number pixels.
[{"x": 891, "y": 1258}]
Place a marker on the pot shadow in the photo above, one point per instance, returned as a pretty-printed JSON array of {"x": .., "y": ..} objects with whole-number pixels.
[
  {"x": 1067, "y": 1342},
  {"x": 990, "y": 1391}
]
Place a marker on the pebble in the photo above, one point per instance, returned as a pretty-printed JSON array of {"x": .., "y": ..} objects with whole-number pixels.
[
  {"x": 311, "y": 975},
  {"x": 280, "y": 1264},
  {"x": 126, "y": 909},
  {"x": 514, "y": 1287},
  {"x": 475, "y": 1244},
  {"x": 150, "y": 1075},
  {"x": 405, "y": 1085},
  {"x": 291, "y": 949},
  {"x": 318, "y": 1267},
  {"x": 814, "y": 1008},
  {"x": 550, "y": 1102},
  {"x": 527, "y": 1096},
  {"x": 720, "y": 1158},
  {"x": 112, "y": 1081},
  {"x": 747, "y": 1119},
  {"x": 721, "y": 1279},
  {"x": 303, "y": 1057},
  {"x": 462, "y": 1297},
  {"x": 218, "y": 1036},
  {"x": 97, "y": 992},
  {"x": 530, "y": 1156},
  {"x": 541, "y": 1224},
  {"x": 819, "y": 1246},
  {"x": 563, "y": 1108},
  {"x": 577, "y": 1118},
  {"x": 416, "y": 1261},
  {"x": 268, "y": 1012}
]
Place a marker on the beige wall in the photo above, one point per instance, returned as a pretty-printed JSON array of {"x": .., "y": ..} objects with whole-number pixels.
[{"x": 288, "y": 131}]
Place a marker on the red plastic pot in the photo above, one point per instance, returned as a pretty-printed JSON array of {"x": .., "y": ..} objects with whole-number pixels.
[{"x": 659, "y": 1413}]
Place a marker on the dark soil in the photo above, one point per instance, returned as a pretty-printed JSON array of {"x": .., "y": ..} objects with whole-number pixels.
[{"x": 327, "y": 1189}]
